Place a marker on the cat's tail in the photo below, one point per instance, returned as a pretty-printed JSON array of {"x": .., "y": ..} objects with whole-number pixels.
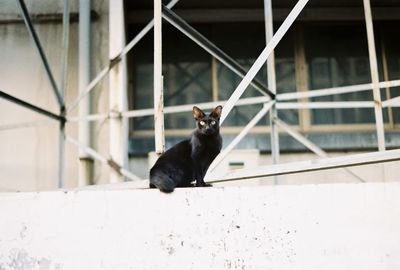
[{"x": 163, "y": 182}]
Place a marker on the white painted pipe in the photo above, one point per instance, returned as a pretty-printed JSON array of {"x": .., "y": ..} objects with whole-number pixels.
[
  {"x": 85, "y": 165},
  {"x": 374, "y": 76},
  {"x": 269, "y": 33},
  {"x": 118, "y": 97},
  {"x": 158, "y": 81}
]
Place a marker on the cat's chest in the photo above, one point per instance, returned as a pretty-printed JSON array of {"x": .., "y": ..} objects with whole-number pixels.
[{"x": 207, "y": 148}]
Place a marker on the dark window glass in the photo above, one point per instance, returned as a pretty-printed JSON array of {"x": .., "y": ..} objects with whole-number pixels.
[
  {"x": 337, "y": 55},
  {"x": 390, "y": 32},
  {"x": 187, "y": 72}
]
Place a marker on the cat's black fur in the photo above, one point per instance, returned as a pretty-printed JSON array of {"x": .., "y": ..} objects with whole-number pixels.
[{"x": 189, "y": 160}]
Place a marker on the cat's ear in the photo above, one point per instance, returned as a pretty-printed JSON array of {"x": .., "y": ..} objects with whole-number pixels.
[
  {"x": 197, "y": 113},
  {"x": 217, "y": 112}
]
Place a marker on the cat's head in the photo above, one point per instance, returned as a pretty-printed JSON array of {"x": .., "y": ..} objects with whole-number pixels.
[{"x": 207, "y": 124}]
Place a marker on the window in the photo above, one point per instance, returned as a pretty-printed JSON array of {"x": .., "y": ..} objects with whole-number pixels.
[
  {"x": 390, "y": 44},
  {"x": 337, "y": 55},
  {"x": 187, "y": 70},
  {"x": 310, "y": 56}
]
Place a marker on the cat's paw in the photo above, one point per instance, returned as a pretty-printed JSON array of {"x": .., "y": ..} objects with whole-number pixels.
[{"x": 203, "y": 184}]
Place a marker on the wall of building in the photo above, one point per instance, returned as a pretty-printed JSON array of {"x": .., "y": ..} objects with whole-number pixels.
[
  {"x": 335, "y": 226},
  {"x": 28, "y": 156}
]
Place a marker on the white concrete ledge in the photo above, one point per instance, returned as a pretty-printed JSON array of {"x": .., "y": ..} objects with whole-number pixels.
[{"x": 335, "y": 226}]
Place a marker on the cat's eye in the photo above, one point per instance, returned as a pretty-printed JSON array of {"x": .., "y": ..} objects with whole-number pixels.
[
  {"x": 213, "y": 123},
  {"x": 202, "y": 123}
]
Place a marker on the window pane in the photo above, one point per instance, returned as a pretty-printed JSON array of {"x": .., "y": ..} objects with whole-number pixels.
[
  {"x": 185, "y": 83},
  {"x": 390, "y": 34},
  {"x": 286, "y": 83},
  {"x": 187, "y": 78},
  {"x": 337, "y": 55}
]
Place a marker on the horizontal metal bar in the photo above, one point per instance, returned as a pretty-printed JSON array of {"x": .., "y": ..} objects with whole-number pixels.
[
  {"x": 393, "y": 102},
  {"x": 91, "y": 117},
  {"x": 310, "y": 165},
  {"x": 189, "y": 107},
  {"x": 38, "y": 18},
  {"x": 283, "y": 105},
  {"x": 212, "y": 49},
  {"x": 112, "y": 62},
  {"x": 241, "y": 102},
  {"x": 335, "y": 90},
  {"x": 94, "y": 154},
  {"x": 31, "y": 106},
  {"x": 240, "y": 15},
  {"x": 324, "y": 105},
  {"x": 32, "y": 32}
]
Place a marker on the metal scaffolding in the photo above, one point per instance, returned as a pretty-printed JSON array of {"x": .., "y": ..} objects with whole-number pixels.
[{"x": 272, "y": 101}]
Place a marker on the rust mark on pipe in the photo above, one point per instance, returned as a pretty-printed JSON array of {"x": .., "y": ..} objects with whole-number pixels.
[{"x": 114, "y": 165}]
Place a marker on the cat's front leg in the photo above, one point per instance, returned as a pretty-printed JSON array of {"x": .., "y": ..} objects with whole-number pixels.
[{"x": 200, "y": 178}]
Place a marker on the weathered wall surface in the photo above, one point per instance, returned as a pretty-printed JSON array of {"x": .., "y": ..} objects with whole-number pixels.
[{"x": 335, "y": 226}]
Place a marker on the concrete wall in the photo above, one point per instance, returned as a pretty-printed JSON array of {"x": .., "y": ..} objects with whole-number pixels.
[
  {"x": 335, "y": 226},
  {"x": 28, "y": 156}
]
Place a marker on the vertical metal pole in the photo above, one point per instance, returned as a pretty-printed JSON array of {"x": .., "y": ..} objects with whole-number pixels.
[
  {"x": 374, "y": 76},
  {"x": 301, "y": 76},
  {"x": 61, "y": 156},
  {"x": 214, "y": 79},
  {"x": 118, "y": 90},
  {"x": 65, "y": 47},
  {"x": 269, "y": 33},
  {"x": 85, "y": 161},
  {"x": 64, "y": 65},
  {"x": 386, "y": 78},
  {"x": 158, "y": 81}
]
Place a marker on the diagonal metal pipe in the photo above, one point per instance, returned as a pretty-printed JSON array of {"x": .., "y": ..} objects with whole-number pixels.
[
  {"x": 211, "y": 48},
  {"x": 32, "y": 107},
  {"x": 32, "y": 32}
]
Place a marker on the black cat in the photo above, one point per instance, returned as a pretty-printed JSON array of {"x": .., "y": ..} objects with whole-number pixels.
[{"x": 189, "y": 159}]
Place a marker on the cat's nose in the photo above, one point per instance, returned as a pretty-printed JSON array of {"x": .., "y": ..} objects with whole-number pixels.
[{"x": 208, "y": 129}]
